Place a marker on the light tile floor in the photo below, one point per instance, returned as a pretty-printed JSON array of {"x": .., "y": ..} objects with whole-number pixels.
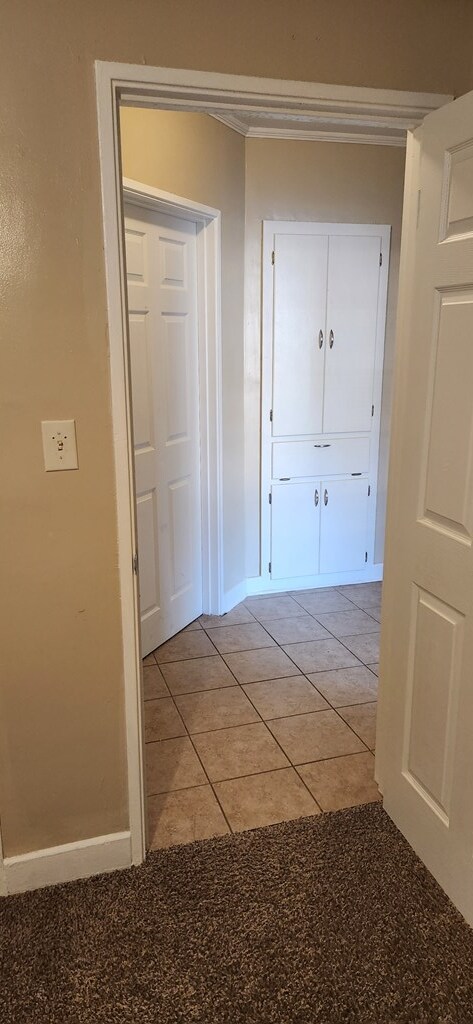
[{"x": 263, "y": 715}]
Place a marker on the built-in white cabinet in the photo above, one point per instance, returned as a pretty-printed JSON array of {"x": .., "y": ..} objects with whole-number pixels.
[
  {"x": 318, "y": 527},
  {"x": 324, "y": 305}
]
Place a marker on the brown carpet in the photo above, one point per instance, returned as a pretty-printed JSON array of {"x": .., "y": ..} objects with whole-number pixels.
[{"x": 330, "y": 919}]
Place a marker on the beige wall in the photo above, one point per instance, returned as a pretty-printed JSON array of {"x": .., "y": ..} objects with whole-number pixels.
[
  {"x": 61, "y": 715},
  {"x": 197, "y": 157},
  {"x": 320, "y": 182}
]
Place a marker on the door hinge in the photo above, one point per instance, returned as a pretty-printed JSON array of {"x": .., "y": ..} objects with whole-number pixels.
[
  {"x": 135, "y": 563},
  {"x": 269, "y": 497},
  {"x": 380, "y": 259},
  {"x": 372, "y": 410},
  {"x": 269, "y": 566},
  {"x": 369, "y": 490},
  {"x": 270, "y": 415},
  {"x": 273, "y": 258},
  {"x": 366, "y": 556}
]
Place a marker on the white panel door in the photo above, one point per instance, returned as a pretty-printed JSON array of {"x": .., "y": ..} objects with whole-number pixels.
[
  {"x": 300, "y": 287},
  {"x": 162, "y": 305},
  {"x": 343, "y": 524},
  {"x": 352, "y": 311},
  {"x": 425, "y": 755},
  {"x": 295, "y": 515}
]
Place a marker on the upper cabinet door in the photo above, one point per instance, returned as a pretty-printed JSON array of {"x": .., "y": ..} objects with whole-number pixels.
[
  {"x": 300, "y": 290},
  {"x": 352, "y": 312}
]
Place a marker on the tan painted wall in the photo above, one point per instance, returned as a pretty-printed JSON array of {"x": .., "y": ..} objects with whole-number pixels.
[
  {"x": 319, "y": 182},
  {"x": 61, "y": 715},
  {"x": 194, "y": 156}
]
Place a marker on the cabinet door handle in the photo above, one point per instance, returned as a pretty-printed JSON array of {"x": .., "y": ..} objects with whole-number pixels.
[
  {"x": 331, "y": 339},
  {"x": 316, "y": 497},
  {"x": 325, "y": 496},
  {"x": 322, "y": 446},
  {"x": 321, "y": 338}
]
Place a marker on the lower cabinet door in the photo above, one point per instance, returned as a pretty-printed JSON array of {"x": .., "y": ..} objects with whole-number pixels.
[
  {"x": 295, "y": 525},
  {"x": 343, "y": 524}
]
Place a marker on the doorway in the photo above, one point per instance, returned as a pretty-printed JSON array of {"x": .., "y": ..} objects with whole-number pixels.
[{"x": 195, "y": 91}]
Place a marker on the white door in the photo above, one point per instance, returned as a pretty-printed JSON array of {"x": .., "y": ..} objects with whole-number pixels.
[
  {"x": 162, "y": 306},
  {"x": 300, "y": 290},
  {"x": 295, "y": 516},
  {"x": 425, "y": 737},
  {"x": 343, "y": 520},
  {"x": 352, "y": 311}
]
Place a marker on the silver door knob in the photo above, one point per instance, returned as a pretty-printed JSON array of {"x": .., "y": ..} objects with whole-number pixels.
[
  {"x": 331, "y": 339},
  {"x": 321, "y": 338},
  {"x": 325, "y": 496},
  {"x": 316, "y": 497}
]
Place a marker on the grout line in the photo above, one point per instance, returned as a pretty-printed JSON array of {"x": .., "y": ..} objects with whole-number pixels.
[
  {"x": 211, "y": 785},
  {"x": 264, "y": 721},
  {"x": 265, "y": 771}
]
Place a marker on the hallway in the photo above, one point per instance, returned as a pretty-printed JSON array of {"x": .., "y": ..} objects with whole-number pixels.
[{"x": 264, "y": 715}]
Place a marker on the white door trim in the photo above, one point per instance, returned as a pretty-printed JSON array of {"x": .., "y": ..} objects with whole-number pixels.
[
  {"x": 208, "y": 221},
  {"x": 182, "y": 89}
]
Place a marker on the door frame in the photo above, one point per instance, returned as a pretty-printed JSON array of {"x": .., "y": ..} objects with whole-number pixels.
[
  {"x": 373, "y": 571},
  {"x": 347, "y": 109}
]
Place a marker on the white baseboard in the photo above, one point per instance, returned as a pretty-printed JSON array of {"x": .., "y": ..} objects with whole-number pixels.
[
  {"x": 255, "y": 585},
  {"x": 264, "y": 585},
  {"x": 234, "y": 596},
  {"x": 66, "y": 863}
]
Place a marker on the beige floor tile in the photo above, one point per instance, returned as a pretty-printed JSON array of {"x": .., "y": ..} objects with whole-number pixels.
[
  {"x": 171, "y": 765},
  {"x": 195, "y": 644},
  {"x": 245, "y": 750},
  {"x": 269, "y": 663},
  {"x": 277, "y": 606},
  {"x": 346, "y": 686},
  {"x": 375, "y": 613},
  {"x": 183, "y": 817},
  {"x": 320, "y": 655},
  {"x": 246, "y": 637},
  {"x": 197, "y": 674},
  {"x": 349, "y": 623},
  {"x": 320, "y": 601},
  {"x": 236, "y": 616},
  {"x": 365, "y": 647},
  {"x": 162, "y": 720},
  {"x": 365, "y": 595},
  {"x": 312, "y": 737},
  {"x": 295, "y": 629},
  {"x": 311, "y": 590},
  {"x": 153, "y": 683},
  {"x": 216, "y": 709},
  {"x": 149, "y": 660},
  {"x": 277, "y": 698},
  {"x": 374, "y": 668},
  {"x": 265, "y": 799},
  {"x": 362, "y": 719},
  {"x": 192, "y": 625},
  {"x": 341, "y": 781}
]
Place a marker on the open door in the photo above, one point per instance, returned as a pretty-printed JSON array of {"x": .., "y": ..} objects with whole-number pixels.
[{"x": 425, "y": 724}]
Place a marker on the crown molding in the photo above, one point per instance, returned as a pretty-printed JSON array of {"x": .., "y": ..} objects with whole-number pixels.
[{"x": 339, "y": 134}]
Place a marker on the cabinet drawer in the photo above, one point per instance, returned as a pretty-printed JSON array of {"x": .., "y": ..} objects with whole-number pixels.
[{"x": 320, "y": 458}]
